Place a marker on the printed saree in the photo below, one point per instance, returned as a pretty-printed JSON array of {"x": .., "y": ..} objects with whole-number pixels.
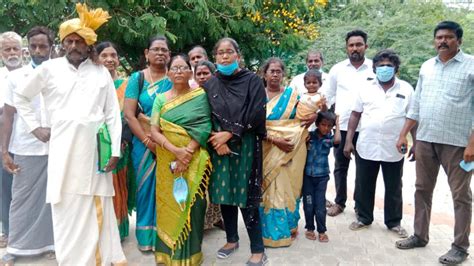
[
  {"x": 123, "y": 175},
  {"x": 282, "y": 172},
  {"x": 180, "y": 228}
]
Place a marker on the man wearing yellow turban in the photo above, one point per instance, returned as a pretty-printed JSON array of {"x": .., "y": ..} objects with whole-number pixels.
[{"x": 79, "y": 98}]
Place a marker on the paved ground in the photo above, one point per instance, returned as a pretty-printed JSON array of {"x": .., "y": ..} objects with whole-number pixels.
[{"x": 373, "y": 246}]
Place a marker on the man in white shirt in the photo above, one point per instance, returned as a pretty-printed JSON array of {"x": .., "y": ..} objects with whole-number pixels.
[
  {"x": 314, "y": 60},
  {"x": 34, "y": 235},
  {"x": 79, "y": 98},
  {"x": 380, "y": 107},
  {"x": 345, "y": 79},
  {"x": 10, "y": 51}
]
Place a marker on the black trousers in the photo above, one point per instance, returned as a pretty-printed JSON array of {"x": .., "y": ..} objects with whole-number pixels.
[
  {"x": 341, "y": 165},
  {"x": 366, "y": 174},
  {"x": 252, "y": 223},
  {"x": 6, "y": 198}
]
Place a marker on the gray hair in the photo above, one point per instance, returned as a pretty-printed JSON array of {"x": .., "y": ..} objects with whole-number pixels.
[{"x": 9, "y": 35}]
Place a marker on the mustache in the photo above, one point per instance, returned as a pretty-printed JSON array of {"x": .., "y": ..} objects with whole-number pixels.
[
  {"x": 13, "y": 58},
  {"x": 443, "y": 45}
]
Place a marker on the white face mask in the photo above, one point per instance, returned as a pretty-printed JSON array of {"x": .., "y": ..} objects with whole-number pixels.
[{"x": 12, "y": 61}]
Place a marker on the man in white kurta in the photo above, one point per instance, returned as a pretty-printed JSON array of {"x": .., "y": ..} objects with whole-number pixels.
[{"x": 79, "y": 97}]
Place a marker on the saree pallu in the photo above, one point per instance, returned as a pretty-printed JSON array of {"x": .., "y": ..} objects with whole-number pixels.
[
  {"x": 282, "y": 172},
  {"x": 144, "y": 164},
  {"x": 180, "y": 228},
  {"x": 123, "y": 175}
]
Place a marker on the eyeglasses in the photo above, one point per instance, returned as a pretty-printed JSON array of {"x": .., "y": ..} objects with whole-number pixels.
[
  {"x": 159, "y": 49},
  {"x": 180, "y": 68},
  {"x": 228, "y": 52}
]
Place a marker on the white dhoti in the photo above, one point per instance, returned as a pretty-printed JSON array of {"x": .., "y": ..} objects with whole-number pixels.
[{"x": 86, "y": 232}]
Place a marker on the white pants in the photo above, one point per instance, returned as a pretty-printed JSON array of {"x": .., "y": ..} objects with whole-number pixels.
[{"x": 86, "y": 232}]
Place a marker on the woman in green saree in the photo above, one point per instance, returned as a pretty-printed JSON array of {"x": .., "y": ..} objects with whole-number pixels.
[{"x": 181, "y": 125}]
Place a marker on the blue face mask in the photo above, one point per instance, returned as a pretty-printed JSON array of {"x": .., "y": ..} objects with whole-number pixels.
[
  {"x": 227, "y": 70},
  {"x": 180, "y": 191},
  {"x": 384, "y": 73}
]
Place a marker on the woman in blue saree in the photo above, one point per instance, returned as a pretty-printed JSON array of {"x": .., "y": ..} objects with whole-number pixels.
[{"x": 142, "y": 89}]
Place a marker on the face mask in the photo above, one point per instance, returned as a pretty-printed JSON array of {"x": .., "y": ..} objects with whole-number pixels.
[
  {"x": 385, "y": 73},
  {"x": 180, "y": 191},
  {"x": 227, "y": 70}
]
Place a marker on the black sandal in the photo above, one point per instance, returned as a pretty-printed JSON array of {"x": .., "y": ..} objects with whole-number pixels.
[{"x": 453, "y": 256}]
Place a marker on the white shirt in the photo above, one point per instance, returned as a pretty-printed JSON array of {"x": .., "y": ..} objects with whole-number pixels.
[
  {"x": 78, "y": 101},
  {"x": 344, "y": 81},
  {"x": 22, "y": 142},
  {"x": 382, "y": 119},
  {"x": 298, "y": 82}
]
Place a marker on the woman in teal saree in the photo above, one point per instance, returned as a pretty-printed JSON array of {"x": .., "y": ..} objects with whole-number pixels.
[
  {"x": 141, "y": 97},
  {"x": 181, "y": 125}
]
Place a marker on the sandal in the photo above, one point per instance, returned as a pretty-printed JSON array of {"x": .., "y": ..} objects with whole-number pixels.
[
  {"x": 399, "y": 231},
  {"x": 310, "y": 235},
  {"x": 8, "y": 260},
  {"x": 335, "y": 210},
  {"x": 358, "y": 225},
  {"x": 453, "y": 256},
  {"x": 329, "y": 204},
  {"x": 225, "y": 253},
  {"x": 323, "y": 238},
  {"x": 411, "y": 242}
]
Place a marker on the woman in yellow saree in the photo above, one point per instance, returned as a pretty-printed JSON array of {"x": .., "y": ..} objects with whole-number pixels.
[
  {"x": 181, "y": 126},
  {"x": 284, "y": 157}
]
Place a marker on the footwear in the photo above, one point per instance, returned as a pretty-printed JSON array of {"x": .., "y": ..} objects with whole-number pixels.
[
  {"x": 225, "y": 253},
  {"x": 8, "y": 260},
  {"x": 323, "y": 238},
  {"x": 358, "y": 225},
  {"x": 453, "y": 256},
  {"x": 3, "y": 241},
  {"x": 263, "y": 261},
  {"x": 310, "y": 235},
  {"x": 329, "y": 204},
  {"x": 50, "y": 255},
  {"x": 411, "y": 242},
  {"x": 335, "y": 210},
  {"x": 400, "y": 231},
  {"x": 294, "y": 234}
]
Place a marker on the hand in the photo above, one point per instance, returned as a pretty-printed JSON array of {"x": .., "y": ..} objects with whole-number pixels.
[
  {"x": 112, "y": 164},
  {"x": 151, "y": 145},
  {"x": 322, "y": 103},
  {"x": 9, "y": 165},
  {"x": 223, "y": 150},
  {"x": 183, "y": 155},
  {"x": 307, "y": 122},
  {"x": 469, "y": 153},
  {"x": 42, "y": 133},
  {"x": 348, "y": 149},
  {"x": 411, "y": 154},
  {"x": 180, "y": 168},
  {"x": 218, "y": 139},
  {"x": 284, "y": 144},
  {"x": 402, "y": 140}
]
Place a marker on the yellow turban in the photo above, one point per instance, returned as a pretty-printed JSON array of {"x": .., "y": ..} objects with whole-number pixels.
[{"x": 85, "y": 25}]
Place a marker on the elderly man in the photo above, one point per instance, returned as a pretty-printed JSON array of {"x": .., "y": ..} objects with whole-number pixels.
[
  {"x": 380, "y": 107},
  {"x": 345, "y": 78},
  {"x": 10, "y": 50},
  {"x": 79, "y": 98},
  {"x": 443, "y": 105},
  {"x": 34, "y": 235},
  {"x": 314, "y": 60}
]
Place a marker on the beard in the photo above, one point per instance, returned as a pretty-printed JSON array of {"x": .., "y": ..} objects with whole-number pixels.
[
  {"x": 39, "y": 59},
  {"x": 356, "y": 57},
  {"x": 12, "y": 61}
]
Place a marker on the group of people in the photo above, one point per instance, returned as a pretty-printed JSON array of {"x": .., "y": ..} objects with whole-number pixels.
[{"x": 192, "y": 142}]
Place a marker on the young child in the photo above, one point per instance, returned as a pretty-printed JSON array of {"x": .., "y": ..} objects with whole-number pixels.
[
  {"x": 312, "y": 101},
  {"x": 316, "y": 174}
]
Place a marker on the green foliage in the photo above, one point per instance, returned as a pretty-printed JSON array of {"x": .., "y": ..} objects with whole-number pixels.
[
  {"x": 405, "y": 26},
  {"x": 186, "y": 23}
]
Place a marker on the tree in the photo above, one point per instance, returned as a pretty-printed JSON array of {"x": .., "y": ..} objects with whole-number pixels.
[
  {"x": 263, "y": 28},
  {"x": 405, "y": 26}
]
